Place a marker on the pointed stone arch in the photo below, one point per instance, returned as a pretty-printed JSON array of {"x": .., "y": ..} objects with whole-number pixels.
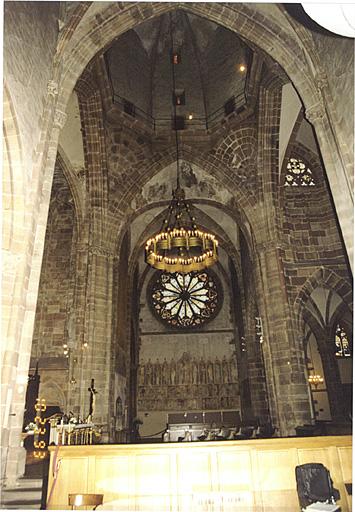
[
  {"x": 14, "y": 198},
  {"x": 327, "y": 278},
  {"x": 74, "y": 186}
]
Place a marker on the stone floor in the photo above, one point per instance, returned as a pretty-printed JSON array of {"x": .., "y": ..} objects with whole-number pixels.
[{"x": 26, "y": 495}]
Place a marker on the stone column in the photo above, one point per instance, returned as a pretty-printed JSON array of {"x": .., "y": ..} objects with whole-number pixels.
[
  {"x": 21, "y": 311},
  {"x": 97, "y": 359},
  {"x": 77, "y": 333},
  {"x": 256, "y": 372},
  {"x": 338, "y": 174},
  {"x": 283, "y": 354}
]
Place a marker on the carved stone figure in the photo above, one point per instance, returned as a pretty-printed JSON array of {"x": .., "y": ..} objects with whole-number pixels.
[
  {"x": 141, "y": 370},
  {"x": 233, "y": 370},
  {"x": 209, "y": 371},
  {"x": 178, "y": 378},
  {"x": 185, "y": 369},
  {"x": 148, "y": 373},
  {"x": 202, "y": 371},
  {"x": 217, "y": 371},
  {"x": 225, "y": 370},
  {"x": 173, "y": 372},
  {"x": 165, "y": 373},
  {"x": 194, "y": 371},
  {"x": 157, "y": 373}
]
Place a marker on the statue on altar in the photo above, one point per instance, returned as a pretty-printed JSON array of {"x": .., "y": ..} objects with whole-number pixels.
[{"x": 92, "y": 403}]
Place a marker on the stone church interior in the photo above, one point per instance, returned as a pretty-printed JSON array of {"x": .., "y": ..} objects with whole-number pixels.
[{"x": 177, "y": 257}]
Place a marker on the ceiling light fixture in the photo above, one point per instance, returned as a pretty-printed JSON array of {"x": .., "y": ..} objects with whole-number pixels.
[{"x": 180, "y": 246}]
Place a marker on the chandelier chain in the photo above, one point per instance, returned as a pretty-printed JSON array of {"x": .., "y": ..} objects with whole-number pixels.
[{"x": 174, "y": 102}]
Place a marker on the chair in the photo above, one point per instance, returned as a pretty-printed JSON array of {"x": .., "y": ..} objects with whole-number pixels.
[
  {"x": 265, "y": 431},
  {"x": 222, "y": 434},
  {"x": 315, "y": 488},
  {"x": 244, "y": 432},
  {"x": 85, "y": 500},
  {"x": 203, "y": 436},
  {"x": 232, "y": 435},
  {"x": 210, "y": 436}
]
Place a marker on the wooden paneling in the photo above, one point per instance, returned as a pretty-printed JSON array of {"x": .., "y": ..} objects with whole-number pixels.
[{"x": 256, "y": 475}]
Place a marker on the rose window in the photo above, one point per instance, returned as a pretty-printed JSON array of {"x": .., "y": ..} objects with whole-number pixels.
[{"x": 185, "y": 300}]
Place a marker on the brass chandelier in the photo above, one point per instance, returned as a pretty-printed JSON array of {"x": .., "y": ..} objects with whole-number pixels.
[{"x": 180, "y": 246}]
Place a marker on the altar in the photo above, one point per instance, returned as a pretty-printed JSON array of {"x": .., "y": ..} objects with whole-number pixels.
[{"x": 224, "y": 476}]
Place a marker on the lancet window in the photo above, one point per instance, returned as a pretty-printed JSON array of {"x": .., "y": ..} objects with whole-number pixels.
[{"x": 342, "y": 345}]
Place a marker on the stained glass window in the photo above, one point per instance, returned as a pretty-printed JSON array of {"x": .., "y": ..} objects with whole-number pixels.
[
  {"x": 342, "y": 345},
  {"x": 298, "y": 174},
  {"x": 185, "y": 300}
]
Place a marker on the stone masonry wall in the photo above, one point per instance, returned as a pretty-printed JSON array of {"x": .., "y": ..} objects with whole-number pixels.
[
  {"x": 224, "y": 55},
  {"x": 127, "y": 59},
  {"x": 57, "y": 280},
  {"x": 310, "y": 229},
  {"x": 25, "y": 78}
]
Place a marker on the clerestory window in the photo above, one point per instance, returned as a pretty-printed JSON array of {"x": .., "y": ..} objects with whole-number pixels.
[{"x": 298, "y": 174}]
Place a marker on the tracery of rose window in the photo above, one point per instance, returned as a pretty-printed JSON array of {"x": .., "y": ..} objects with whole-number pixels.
[{"x": 185, "y": 300}]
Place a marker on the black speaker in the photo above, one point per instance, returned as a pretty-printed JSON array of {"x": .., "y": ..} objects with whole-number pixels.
[{"x": 229, "y": 106}]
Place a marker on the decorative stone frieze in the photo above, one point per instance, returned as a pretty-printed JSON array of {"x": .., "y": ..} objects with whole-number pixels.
[{"x": 188, "y": 383}]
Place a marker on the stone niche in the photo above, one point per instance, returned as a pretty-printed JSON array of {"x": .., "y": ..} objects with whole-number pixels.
[{"x": 187, "y": 370}]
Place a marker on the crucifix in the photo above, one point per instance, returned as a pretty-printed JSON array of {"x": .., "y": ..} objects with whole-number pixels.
[{"x": 92, "y": 392}]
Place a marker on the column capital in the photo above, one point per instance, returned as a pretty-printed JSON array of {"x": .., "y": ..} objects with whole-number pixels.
[
  {"x": 52, "y": 88},
  {"x": 315, "y": 113},
  {"x": 102, "y": 251},
  {"x": 60, "y": 118},
  {"x": 270, "y": 245},
  {"x": 321, "y": 80}
]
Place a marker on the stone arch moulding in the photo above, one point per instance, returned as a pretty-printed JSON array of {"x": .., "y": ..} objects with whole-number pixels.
[
  {"x": 240, "y": 208},
  {"x": 94, "y": 34},
  {"x": 328, "y": 279},
  {"x": 14, "y": 185},
  {"x": 74, "y": 186},
  {"x": 53, "y": 393},
  {"x": 342, "y": 315}
]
